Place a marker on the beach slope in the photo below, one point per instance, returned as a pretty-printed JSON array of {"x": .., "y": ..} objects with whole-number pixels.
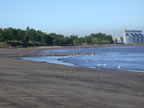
[{"x": 28, "y": 84}]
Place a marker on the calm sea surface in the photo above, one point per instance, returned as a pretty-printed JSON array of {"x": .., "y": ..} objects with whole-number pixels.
[{"x": 129, "y": 58}]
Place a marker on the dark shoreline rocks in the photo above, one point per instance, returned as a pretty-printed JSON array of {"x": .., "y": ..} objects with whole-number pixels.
[{"x": 54, "y": 54}]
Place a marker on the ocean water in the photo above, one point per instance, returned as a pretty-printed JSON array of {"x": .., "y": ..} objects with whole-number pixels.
[{"x": 130, "y": 58}]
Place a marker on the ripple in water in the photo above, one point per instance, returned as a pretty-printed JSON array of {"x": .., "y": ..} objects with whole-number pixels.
[{"x": 129, "y": 58}]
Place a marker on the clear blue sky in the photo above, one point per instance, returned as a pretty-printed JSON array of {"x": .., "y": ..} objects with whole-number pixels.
[{"x": 67, "y": 17}]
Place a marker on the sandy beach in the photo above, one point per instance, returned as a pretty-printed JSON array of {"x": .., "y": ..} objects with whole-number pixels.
[{"x": 28, "y": 84}]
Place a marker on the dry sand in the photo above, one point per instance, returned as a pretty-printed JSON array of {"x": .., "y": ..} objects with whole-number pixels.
[{"x": 27, "y": 84}]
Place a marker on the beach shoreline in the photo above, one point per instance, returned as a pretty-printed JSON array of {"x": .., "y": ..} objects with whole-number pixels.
[{"x": 27, "y": 84}]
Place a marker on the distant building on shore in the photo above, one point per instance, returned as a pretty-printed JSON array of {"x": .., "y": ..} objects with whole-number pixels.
[
  {"x": 133, "y": 36},
  {"x": 117, "y": 39},
  {"x": 1, "y": 28}
]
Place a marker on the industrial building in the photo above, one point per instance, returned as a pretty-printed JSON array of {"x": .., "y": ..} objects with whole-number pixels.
[
  {"x": 117, "y": 39},
  {"x": 133, "y": 36}
]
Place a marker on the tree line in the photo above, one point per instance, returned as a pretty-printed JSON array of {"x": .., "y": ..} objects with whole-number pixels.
[{"x": 32, "y": 37}]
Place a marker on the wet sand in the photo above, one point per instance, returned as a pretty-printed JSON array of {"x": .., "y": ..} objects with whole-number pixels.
[{"x": 28, "y": 84}]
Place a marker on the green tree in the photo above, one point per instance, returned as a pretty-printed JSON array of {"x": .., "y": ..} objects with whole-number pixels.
[
  {"x": 48, "y": 40},
  {"x": 2, "y": 35},
  {"x": 20, "y": 35}
]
